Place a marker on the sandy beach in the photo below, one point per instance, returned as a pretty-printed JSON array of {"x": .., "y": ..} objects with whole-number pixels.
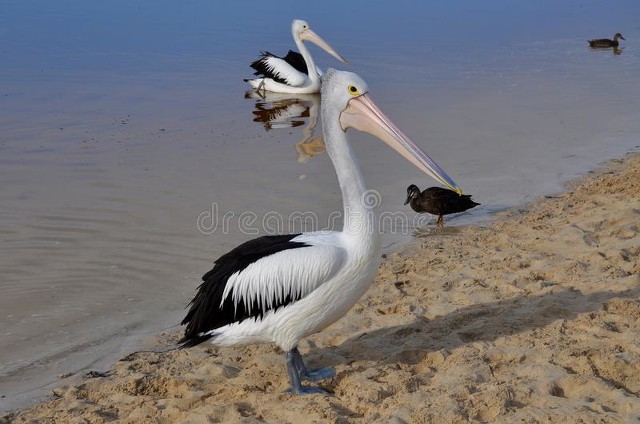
[{"x": 533, "y": 318}]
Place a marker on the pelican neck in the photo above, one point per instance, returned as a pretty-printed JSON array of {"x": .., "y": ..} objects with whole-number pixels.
[
  {"x": 311, "y": 66},
  {"x": 360, "y": 205}
]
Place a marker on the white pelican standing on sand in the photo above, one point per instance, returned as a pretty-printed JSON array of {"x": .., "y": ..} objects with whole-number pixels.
[
  {"x": 279, "y": 289},
  {"x": 296, "y": 72}
]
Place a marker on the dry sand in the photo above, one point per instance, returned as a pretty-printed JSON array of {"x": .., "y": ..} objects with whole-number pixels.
[{"x": 534, "y": 318}]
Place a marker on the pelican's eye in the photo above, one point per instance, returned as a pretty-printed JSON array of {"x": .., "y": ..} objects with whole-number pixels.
[{"x": 353, "y": 90}]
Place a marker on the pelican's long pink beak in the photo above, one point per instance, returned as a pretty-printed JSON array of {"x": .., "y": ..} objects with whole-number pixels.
[
  {"x": 309, "y": 35},
  {"x": 362, "y": 114}
]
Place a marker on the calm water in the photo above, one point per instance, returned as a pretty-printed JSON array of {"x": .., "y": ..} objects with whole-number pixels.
[{"x": 130, "y": 158}]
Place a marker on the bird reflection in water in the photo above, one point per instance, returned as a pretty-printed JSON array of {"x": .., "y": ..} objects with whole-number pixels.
[
  {"x": 617, "y": 51},
  {"x": 284, "y": 110}
]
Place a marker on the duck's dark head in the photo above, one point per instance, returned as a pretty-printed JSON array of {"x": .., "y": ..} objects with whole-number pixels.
[
  {"x": 618, "y": 35},
  {"x": 412, "y": 193}
]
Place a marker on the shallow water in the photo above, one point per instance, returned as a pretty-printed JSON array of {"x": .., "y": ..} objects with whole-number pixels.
[{"x": 130, "y": 158}]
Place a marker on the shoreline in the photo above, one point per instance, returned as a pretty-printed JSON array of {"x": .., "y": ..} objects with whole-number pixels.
[{"x": 533, "y": 316}]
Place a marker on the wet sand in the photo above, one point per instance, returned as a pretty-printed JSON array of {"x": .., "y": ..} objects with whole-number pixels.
[{"x": 534, "y": 318}]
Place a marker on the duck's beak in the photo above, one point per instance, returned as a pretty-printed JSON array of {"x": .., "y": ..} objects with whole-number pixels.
[
  {"x": 623, "y": 38},
  {"x": 309, "y": 35},
  {"x": 362, "y": 114},
  {"x": 408, "y": 199}
]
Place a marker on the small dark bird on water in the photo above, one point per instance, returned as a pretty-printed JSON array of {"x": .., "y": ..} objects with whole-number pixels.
[
  {"x": 438, "y": 201},
  {"x": 605, "y": 42}
]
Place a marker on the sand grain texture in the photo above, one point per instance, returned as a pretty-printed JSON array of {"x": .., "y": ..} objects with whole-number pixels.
[{"x": 535, "y": 318}]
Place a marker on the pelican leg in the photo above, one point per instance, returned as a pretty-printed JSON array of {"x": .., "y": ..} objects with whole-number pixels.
[
  {"x": 314, "y": 375},
  {"x": 294, "y": 378},
  {"x": 261, "y": 90}
]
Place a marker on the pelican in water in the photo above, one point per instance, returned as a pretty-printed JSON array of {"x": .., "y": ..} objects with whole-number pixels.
[
  {"x": 282, "y": 288},
  {"x": 296, "y": 72}
]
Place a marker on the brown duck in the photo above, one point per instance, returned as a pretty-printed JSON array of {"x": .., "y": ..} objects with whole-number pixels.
[
  {"x": 605, "y": 42},
  {"x": 438, "y": 201}
]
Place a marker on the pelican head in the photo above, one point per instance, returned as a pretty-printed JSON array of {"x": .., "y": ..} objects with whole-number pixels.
[
  {"x": 349, "y": 93},
  {"x": 301, "y": 31}
]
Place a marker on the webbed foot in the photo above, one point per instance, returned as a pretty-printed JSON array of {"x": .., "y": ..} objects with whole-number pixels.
[{"x": 318, "y": 374}]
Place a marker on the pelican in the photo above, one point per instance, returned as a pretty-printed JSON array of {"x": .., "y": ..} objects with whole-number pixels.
[
  {"x": 282, "y": 288},
  {"x": 296, "y": 72}
]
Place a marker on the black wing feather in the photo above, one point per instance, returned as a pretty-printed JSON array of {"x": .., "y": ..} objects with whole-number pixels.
[
  {"x": 296, "y": 60},
  {"x": 263, "y": 69},
  {"x": 205, "y": 313}
]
